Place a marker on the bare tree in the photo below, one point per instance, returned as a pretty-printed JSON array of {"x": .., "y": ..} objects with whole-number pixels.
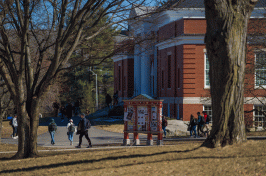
[
  {"x": 5, "y": 104},
  {"x": 226, "y": 48},
  {"x": 36, "y": 44}
]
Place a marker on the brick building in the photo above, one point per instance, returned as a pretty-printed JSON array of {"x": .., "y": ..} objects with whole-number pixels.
[{"x": 175, "y": 68}]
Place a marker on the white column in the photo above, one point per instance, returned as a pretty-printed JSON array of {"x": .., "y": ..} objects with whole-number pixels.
[
  {"x": 137, "y": 71},
  {"x": 145, "y": 73}
]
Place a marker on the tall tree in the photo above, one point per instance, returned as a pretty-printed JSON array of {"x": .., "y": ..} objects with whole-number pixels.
[
  {"x": 37, "y": 41},
  {"x": 226, "y": 48}
]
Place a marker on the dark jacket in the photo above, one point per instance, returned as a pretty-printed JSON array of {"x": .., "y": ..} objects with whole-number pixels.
[
  {"x": 52, "y": 126},
  {"x": 84, "y": 125},
  {"x": 193, "y": 122},
  {"x": 164, "y": 122},
  {"x": 200, "y": 120}
]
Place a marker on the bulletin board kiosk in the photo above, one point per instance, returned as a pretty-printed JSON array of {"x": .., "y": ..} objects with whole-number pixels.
[{"x": 143, "y": 114}]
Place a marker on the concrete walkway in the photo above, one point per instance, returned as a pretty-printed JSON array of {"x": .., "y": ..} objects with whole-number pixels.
[{"x": 98, "y": 137}]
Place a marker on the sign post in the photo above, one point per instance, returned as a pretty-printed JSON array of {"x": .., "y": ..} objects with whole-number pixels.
[{"x": 142, "y": 114}]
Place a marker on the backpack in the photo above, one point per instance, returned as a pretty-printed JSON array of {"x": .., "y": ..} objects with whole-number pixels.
[
  {"x": 71, "y": 128},
  {"x": 52, "y": 127},
  {"x": 165, "y": 122},
  {"x": 202, "y": 120},
  {"x": 88, "y": 124},
  {"x": 208, "y": 119}
]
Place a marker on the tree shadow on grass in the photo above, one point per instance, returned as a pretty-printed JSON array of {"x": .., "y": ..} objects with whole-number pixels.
[{"x": 114, "y": 158}]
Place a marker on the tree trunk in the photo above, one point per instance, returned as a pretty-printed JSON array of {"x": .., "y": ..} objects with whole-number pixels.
[
  {"x": 23, "y": 123},
  {"x": 1, "y": 123},
  {"x": 34, "y": 123},
  {"x": 226, "y": 49}
]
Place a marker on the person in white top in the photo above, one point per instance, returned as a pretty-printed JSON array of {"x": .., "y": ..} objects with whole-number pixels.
[
  {"x": 15, "y": 127},
  {"x": 71, "y": 129}
]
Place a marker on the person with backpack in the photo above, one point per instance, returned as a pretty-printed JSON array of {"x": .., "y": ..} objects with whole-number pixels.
[
  {"x": 52, "y": 127},
  {"x": 83, "y": 127},
  {"x": 14, "y": 123},
  {"x": 71, "y": 130},
  {"x": 164, "y": 125},
  {"x": 201, "y": 122},
  {"x": 207, "y": 122},
  {"x": 193, "y": 125}
]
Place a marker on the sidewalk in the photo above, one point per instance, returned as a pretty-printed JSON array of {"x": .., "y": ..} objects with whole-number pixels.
[{"x": 98, "y": 138}]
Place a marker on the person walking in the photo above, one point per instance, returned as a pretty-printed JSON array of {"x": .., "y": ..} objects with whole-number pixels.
[
  {"x": 14, "y": 124},
  {"x": 201, "y": 122},
  {"x": 71, "y": 130},
  {"x": 108, "y": 100},
  {"x": 115, "y": 98},
  {"x": 207, "y": 122},
  {"x": 164, "y": 125},
  {"x": 56, "y": 108},
  {"x": 193, "y": 125},
  {"x": 62, "y": 113},
  {"x": 69, "y": 111},
  {"x": 83, "y": 127},
  {"x": 52, "y": 127}
]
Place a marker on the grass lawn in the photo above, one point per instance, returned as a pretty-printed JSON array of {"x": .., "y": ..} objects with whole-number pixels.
[
  {"x": 119, "y": 128},
  {"x": 7, "y": 130},
  {"x": 183, "y": 159}
]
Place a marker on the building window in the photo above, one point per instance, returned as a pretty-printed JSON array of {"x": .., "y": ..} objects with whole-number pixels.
[
  {"x": 208, "y": 109},
  {"x": 260, "y": 70},
  {"x": 206, "y": 71},
  {"x": 169, "y": 71},
  {"x": 162, "y": 80},
  {"x": 259, "y": 118}
]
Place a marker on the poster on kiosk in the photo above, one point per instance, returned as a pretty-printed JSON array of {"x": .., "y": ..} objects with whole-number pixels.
[
  {"x": 129, "y": 117},
  {"x": 142, "y": 118},
  {"x": 153, "y": 119}
]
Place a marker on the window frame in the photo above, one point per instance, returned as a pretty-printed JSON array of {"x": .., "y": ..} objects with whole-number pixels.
[
  {"x": 263, "y": 121},
  {"x": 209, "y": 112},
  {"x": 205, "y": 69},
  {"x": 255, "y": 70}
]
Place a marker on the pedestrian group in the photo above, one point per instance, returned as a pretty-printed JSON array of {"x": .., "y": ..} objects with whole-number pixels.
[
  {"x": 201, "y": 124},
  {"x": 81, "y": 130}
]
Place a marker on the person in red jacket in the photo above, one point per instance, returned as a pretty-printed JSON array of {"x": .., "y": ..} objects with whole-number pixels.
[{"x": 207, "y": 122}]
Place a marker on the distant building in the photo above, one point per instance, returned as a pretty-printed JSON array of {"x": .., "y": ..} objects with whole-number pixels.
[{"x": 173, "y": 65}]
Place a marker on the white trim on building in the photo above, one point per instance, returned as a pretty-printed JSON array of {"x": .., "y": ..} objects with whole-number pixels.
[{"x": 181, "y": 40}]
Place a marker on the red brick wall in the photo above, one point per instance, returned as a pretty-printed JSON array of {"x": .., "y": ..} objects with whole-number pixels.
[
  {"x": 248, "y": 116},
  {"x": 257, "y": 26},
  {"x": 130, "y": 77},
  {"x": 167, "y": 31},
  {"x": 195, "y": 26},
  {"x": 126, "y": 78},
  {"x": 191, "y": 109},
  {"x": 179, "y": 24}
]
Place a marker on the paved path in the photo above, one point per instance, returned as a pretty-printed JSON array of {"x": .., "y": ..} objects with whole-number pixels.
[{"x": 98, "y": 137}]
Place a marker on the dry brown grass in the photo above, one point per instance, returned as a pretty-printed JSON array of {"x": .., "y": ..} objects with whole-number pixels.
[
  {"x": 183, "y": 159},
  {"x": 119, "y": 128},
  {"x": 7, "y": 130}
]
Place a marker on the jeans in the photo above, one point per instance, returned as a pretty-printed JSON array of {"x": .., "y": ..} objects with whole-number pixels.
[
  {"x": 193, "y": 128},
  {"x": 70, "y": 136},
  {"x": 52, "y": 136},
  {"x": 164, "y": 131},
  {"x": 15, "y": 129}
]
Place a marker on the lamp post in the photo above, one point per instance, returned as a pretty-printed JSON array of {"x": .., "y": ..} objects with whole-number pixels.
[{"x": 96, "y": 89}]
